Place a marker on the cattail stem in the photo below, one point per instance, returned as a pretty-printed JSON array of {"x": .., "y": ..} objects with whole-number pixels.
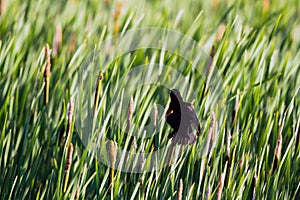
[
  {"x": 277, "y": 152},
  {"x": 68, "y": 166},
  {"x": 180, "y": 189},
  {"x": 97, "y": 93},
  {"x": 47, "y": 74},
  {"x": 208, "y": 72},
  {"x": 221, "y": 183},
  {"x": 254, "y": 182},
  {"x": 112, "y": 152}
]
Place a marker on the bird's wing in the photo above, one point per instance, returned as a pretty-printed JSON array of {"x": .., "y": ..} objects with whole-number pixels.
[{"x": 193, "y": 118}]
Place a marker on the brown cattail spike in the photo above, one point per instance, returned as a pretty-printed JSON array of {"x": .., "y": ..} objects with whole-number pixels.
[
  {"x": 277, "y": 152},
  {"x": 130, "y": 113},
  {"x": 113, "y": 155},
  {"x": 211, "y": 137},
  {"x": 208, "y": 72},
  {"x": 254, "y": 182},
  {"x": 72, "y": 43},
  {"x": 69, "y": 118},
  {"x": 210, "y": 64},
  {"x": 76, "y": 194},
  {"x": 298, "y": 136},
  {"x": 228, "y": 147},
  {"x": 208, "y": 193},
  {"x": 155, "y": 116},
  {"x": 221, "y": 31},
  {"x": 68, "y": 165},
  {"x": 242, "y": 162},
  {"x": 117, "y": 16},
  {"x": 154, "y": 126},
  {"x": 236, "y": 108},
  {"x": 214, "y": 4},
  {"x": 47, "y": 73},
  {"x": 221, "y": 183},
  {"x": 3, "y": 4},
  {"x": 180, "y": 190},
  {"x": 266, "y": 6},
  {"x": 57, "y": 40}
]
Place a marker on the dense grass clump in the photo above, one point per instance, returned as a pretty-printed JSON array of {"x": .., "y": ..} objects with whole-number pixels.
[{"x": 250, "y": 127}]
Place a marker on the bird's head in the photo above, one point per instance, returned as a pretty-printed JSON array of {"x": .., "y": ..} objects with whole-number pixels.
[{"x": 175, "y": 95}]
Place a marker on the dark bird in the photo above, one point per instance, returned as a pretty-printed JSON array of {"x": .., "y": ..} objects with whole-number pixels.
[{"x": 181, "y": 117}]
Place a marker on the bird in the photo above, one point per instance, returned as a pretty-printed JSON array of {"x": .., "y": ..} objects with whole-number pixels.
[{"x": 181, "y": 117}]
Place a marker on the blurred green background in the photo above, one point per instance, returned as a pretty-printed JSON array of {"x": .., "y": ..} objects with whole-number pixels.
[{"x": 257, "y": 151}]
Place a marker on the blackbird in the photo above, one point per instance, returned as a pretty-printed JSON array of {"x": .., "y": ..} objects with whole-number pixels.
[{"x": 181, "y": 117}]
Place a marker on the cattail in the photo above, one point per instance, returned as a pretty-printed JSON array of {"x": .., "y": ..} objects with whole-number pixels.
[
  {"x": 221, "y": 31},
  {"x": 254, "y": 182},
  {"x": 134, "y": 144},
  {"x": 180, "y": 189},
  {"x": 130, "y": 113},
  {"x": 69, "y": 118},
  {"x": 281, "y": 117},
  {"x": 47, "y": 73},
  {"x": 211, "y": 136},
  {"x": 154, "y": 125},
  {"x": 57, "y": 40},
  {"x": 72, "y": 43},
  {"x": 298, "y": 136},
  {"x": 208, "y": 72},
  {"x": 31, "y": 116},
  {"x": 266, "y": 6},
  {"x": 68, "y": 165},
  {"x": 97, "y": 93},
  {"x": 242, "y": 162},
  {"x": 221, "y": 183},
  {"x": 210, "y": 62},
  {"x": 61, "y": 134},
  {"x": 220, "y": 188},
  {"x": 277, "y": 152},
  {"x": 214, "y": 4},
  {"x": 208, "y": 193},
  {"x": 113, "y": 157},
  {"x": 171, "y": 154},
  {"x": 236, "y": 108},
  {"x": 141, "y": 166},
  {"x": 3, "y": 5},
  {"x": 76, "y": 194},
  {"x": 142, "y": 180},
  {"x": 155, "y": 116},
  {"x": 117, "y": 16},
  {"x": 228, "y": 147}
]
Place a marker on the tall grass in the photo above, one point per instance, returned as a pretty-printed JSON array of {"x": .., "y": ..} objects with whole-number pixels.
[{"x": 254, "y": 130}]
